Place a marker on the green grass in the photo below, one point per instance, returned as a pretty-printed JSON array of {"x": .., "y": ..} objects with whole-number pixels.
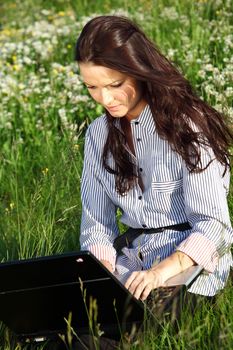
[{"x": 45, "y": 110}]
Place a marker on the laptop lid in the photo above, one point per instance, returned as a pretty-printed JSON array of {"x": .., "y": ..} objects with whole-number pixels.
[{"x": 38, "y": 295}]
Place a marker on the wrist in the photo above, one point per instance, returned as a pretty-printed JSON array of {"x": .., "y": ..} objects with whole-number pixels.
[
  {"x": 158, "y": 277},
  {"x": 173, "y": 265}
]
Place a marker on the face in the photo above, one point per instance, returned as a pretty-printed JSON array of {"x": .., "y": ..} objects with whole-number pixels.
[{"x": 120, "y": 94}]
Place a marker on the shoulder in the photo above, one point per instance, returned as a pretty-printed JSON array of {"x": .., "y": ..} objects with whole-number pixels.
[
  {"x": 96, "y": 134},
  {"x": 98, "y": 128}
]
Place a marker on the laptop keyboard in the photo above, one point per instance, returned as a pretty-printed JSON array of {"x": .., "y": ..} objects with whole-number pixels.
[{"x": 164, "y": 300}]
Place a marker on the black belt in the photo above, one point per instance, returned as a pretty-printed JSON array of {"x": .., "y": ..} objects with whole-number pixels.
[{"x": 131, "y": 234}]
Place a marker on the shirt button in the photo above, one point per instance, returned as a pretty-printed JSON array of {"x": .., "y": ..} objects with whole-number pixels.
[
  {"x": 136, "y": 123},
  {"x": 140, "y": 169},
  {"x": 139, "y": 139},
  {"x": 144, "y": 225},
  {"x": 140, "y": 197}
]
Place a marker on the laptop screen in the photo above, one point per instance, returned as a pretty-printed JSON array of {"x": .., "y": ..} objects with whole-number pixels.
[{"x": 37, "y": 296}]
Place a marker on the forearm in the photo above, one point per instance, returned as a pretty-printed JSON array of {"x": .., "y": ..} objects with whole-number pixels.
[
  {"x": 207, "y": 212},
  {"x": 98, "y": 225},
  {"x": 172, "y": 265},
  {"x": 141, "y": 283}
]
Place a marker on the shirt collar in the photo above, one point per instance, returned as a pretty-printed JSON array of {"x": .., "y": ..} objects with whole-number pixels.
[{"x": 146, "y": 120}]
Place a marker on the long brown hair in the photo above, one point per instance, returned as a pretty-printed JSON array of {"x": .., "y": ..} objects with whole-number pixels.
[{"x": 118, "y": 43}]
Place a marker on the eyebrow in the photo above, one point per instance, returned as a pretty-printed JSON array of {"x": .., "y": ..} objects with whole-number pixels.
[{"x": 115, "y": 81}]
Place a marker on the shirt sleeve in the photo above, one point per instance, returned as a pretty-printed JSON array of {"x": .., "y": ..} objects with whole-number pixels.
[
  {"x": 98, "y": 224},
  {"x": 205, "y": 196}
]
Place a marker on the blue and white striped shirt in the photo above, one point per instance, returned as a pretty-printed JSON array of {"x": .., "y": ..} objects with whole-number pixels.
[{"x": 171, "y": 195}]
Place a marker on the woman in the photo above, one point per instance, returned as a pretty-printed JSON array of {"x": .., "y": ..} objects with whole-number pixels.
[{"x": 160, "y": 155}]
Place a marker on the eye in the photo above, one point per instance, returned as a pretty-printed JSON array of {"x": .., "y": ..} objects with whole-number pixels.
[
  {"x": 90, "y": 87},
  {"x": 117, "y": 85}
]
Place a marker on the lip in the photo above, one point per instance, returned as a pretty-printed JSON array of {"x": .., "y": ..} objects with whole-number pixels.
[{"x": 113, "y": 108}]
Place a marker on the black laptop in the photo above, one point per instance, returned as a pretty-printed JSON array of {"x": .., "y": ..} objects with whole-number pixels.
[
  {"x": 38, "y": 296},
  {"x": 41, "y": 297}
]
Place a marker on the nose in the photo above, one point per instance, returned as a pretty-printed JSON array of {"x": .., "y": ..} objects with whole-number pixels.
[{"x": 107, "y": 97}]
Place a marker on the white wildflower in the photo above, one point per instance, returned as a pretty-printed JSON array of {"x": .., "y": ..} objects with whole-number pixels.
[
  {"x": 208, "y": 67},
  {"x": 169, "y": 13},
  {"x": 171, "y": 53},
  {"x": 230, "y": 113},
  {"x": 202, "y": 73},
  {"x": 62, "y": 113},
  {"x": 45, "y": 12},
  {"x": 27, "y": 60},
  {"x": 229, "y": 91}
]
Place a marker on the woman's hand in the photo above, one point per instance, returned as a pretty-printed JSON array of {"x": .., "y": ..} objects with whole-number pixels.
[
  {"x": 141, "y": 283},
  {"x": 107, "y": 265}
]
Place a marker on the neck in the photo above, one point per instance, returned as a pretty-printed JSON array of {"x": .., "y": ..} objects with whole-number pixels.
[{"x": 134, "y": 114}]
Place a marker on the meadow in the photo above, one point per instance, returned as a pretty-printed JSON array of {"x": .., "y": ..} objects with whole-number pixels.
[{"x": 45, "y": 111}]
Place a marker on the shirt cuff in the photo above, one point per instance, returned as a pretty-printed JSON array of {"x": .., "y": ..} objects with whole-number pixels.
[
  {"x": 201, "y": 250},
  {"x": 103, "y": 252}
]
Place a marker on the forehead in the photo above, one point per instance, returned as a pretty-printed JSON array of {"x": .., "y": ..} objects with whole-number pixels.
[{"x": 98, "y": 75}]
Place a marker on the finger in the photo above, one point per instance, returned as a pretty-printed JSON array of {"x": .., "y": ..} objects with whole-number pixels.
[
  {"x": 131, "y": 279},
  {"x": 137, "y": 284},
  {"x": 139, "y": 290},
  {"x": 144, "y": 287},
  {"x": 146, "y": 292}
]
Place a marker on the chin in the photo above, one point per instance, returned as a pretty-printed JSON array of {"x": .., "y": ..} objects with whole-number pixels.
[{"x": 117, "y": 115}]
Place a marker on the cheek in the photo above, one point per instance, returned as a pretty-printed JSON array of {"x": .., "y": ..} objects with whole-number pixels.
[
  {"x": 126, "y": 94},
  {"x": 94, "y": 95}
]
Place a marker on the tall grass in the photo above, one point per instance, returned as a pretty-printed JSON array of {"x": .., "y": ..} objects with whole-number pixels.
[{"x": 45, "y": 110}]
